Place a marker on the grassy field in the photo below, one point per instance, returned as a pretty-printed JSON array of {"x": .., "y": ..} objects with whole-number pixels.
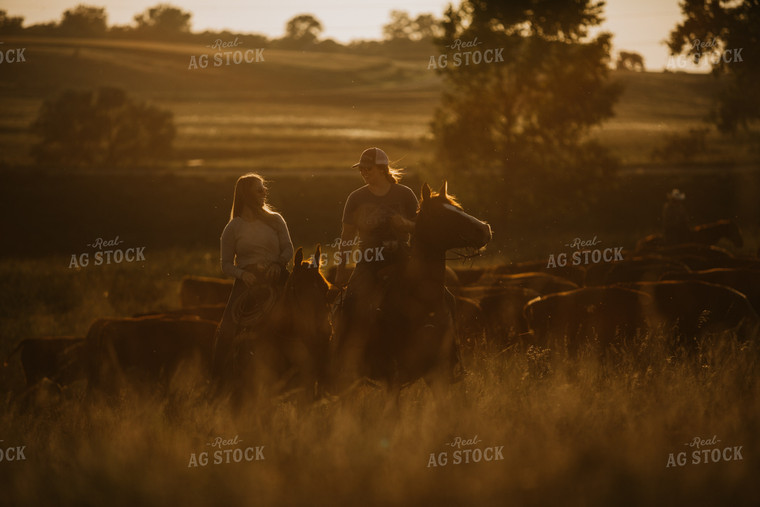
[
  {"x": 311, "y": 112},
  {"x": 593, "y": 431},
  {"x": 588, "y": 431}
]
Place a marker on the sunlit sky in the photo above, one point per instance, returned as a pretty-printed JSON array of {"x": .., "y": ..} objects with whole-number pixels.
[{"x": 638, "y": 25}]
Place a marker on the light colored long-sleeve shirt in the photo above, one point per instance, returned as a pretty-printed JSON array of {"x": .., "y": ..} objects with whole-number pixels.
[{"x": 245, "y": 243}]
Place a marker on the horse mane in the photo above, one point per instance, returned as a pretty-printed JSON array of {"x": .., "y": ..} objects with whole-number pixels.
[{"x": 446, "y": 198}]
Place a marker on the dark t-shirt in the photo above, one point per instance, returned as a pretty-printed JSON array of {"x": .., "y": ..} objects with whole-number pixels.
[{"x": 371, "y": 213}]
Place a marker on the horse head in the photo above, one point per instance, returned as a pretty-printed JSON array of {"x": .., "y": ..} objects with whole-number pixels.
[
  {"x": 306, "y": 285},
  {"x": 443, "y": 224},
  {"x": 306, "y": 334}
]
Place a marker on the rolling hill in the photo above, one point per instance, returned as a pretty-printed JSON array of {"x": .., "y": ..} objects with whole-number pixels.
[{"x": 297, "y": 110}]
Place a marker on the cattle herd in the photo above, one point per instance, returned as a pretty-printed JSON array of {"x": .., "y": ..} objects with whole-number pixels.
[{"x": 677, "y": 294}]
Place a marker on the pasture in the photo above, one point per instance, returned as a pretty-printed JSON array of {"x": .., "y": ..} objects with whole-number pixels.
[
  {"x": 309, "y": 113},
  {"x": 589, "y": 430}
]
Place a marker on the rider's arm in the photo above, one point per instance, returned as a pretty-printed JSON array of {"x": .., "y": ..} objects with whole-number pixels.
[
  {"x": 228, "y": 256},
  {"x": 404, "y": 221},
  {"x": 402, "y": 224},
  {"x": 286, "y": 244},
  {"x": 348, "y": 233},
  {"x": 227, "y": 252}
]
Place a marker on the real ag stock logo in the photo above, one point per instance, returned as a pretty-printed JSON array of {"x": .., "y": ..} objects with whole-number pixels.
[
  {"x": 12, "y": 55},
  {"x": 105, "y": 254},
  {"x": 227, "y": 451},
  {"x": 466, "y": 451},
  {"x": 346, "y": 253},
  {"x": 705, "y": 451},
  {"x": 461, "y": 57},
  {"x": 705, "y": 54},
  {"x": 11, "y": 453},
  {"x": 583, "y": 256},
  {"x": 222, "y": 57}
]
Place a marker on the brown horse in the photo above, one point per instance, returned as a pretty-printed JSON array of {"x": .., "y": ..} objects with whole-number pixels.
[
  {"x": 287, "y": 348},
  {"x": 412, "y": 333},
  {"x": 704, "y": 234}
]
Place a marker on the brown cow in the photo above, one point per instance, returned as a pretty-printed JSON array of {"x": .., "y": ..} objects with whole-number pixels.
[
  {"x": 575, "y": 274},
  {"x": 204, "y": 290},
  {"x": 746, "y": 281},
  {"x": 149, "y": 350},
  {"x": 603, "y": 315},
  {"x": 712, "y": 233},
  {"x": 543, "y": 283},
  {"x": 696, "y": 256},
  {"x": 596, "y": 274},
  {"x": 494, "y": 285},
  {"x": 689, "y": 310},
  {"x": 205, "y": 312},
  {"x": 469, "y": 276},
  {"x": 503, "y": 314},
  {"x": 705, "y": 234},
  {"x": 642, "y": 269},
  {"x": 58, "y": 358},
  {"x": 469, "y": 324}
]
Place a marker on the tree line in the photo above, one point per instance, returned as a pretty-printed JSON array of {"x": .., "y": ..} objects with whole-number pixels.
[
  {"x": 522, "y": 125},
  {"x": 165, "y": 22}
]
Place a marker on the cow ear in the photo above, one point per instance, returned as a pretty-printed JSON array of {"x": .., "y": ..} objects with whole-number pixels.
[
  {"x": 425, "y": 192},
  {"x": 443, "y": 189},
  {"x": 298, "y": 258},
  {"x": 317, "y": 255}
]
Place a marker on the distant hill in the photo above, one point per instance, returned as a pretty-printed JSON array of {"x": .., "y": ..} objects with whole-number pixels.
[{"x": 297, "y": 110}]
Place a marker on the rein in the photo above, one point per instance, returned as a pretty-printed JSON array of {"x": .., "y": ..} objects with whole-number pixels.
[{"x": 464, "y": 256}]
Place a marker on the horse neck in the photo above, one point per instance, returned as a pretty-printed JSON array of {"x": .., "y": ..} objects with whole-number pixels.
[
  {"x": 291, "y": 300},
  {"x": 427, "y": 267}
]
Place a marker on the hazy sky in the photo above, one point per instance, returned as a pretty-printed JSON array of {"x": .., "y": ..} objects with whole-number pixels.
[{"x": 638, "y": 25}]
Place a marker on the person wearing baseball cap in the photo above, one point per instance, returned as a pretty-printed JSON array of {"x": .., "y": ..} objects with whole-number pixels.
[
  {"x": 381, "y": 215},
  {"x": 372, "y": 157},
  {"x": 675, "y": 219}
]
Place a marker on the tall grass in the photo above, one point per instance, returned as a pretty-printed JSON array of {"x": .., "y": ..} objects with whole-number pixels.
[
  {"x": 592, "y": 430},
  {"x": 596, "y": 429}
]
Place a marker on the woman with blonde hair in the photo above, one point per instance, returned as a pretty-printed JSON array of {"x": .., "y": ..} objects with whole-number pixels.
[{"x": 255, "y": 250}]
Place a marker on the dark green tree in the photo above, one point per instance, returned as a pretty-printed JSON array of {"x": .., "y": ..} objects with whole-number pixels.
[
  {"x": 303, "y": 29},
  {"x": 426, "y": 26},
  {"x": 84, "y": 21},
  {"x": 518, "y": 128},
  {"x": 628, "y": 60},
  {"x": 101, "y": 129},
  {"x": 10, "y": 25},
  {"x": 728, "y": 34},
  {"x": 163, "y": 21},
  {"x": 400, "y": 26},
  {"x": 403, "y": 27}
]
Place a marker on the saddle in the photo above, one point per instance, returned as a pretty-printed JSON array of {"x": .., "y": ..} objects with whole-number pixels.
[{"x": 255, "y": 303}]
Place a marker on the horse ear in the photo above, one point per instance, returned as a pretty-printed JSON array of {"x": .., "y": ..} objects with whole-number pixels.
[
  {"x": 317, "y": 256},
  {"x": 425, "y": 192},
  {"x": 443, "y": 191},
  {"x": 298, "y": 258}
]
